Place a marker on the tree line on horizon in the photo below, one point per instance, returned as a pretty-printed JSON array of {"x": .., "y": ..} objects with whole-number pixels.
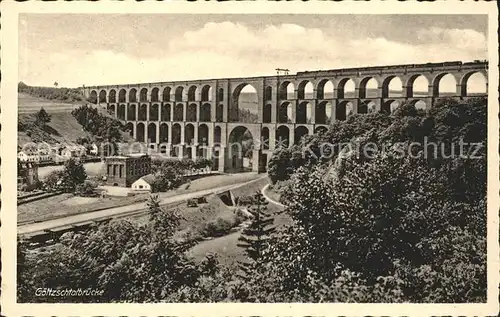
[{"x": 52, "y": 93}]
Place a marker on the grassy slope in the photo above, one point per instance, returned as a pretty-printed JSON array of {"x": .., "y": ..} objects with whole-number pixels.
[
  {"x": 63, "y": 127},
  {"x": 31, "y": 104},
  {"x": 211, "y": 182},
  {"x": 57, "y": 206}
]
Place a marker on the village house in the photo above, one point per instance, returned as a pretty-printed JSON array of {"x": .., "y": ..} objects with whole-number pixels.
[
  {"x": 28, "y": 156},
  {"x": 73, "y": 151},
  {"x": 44, "y": 154},
  {"x": 144, "y": 183}
]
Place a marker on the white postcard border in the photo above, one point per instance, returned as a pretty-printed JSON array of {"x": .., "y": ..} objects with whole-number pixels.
[{"x": 9, "y": 69}]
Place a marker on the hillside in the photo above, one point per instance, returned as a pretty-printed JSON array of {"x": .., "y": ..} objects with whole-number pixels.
[
  {"x": 31, "y": 104},
  {"x": 63, "y": 127},
  {"x": 62, "y": 94}
]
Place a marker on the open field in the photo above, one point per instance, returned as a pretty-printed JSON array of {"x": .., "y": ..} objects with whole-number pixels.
[
  {"x": 226, "y": 247},
  {"x": 67, "y": 204},
  {"x": 92, "y": 169},
  {"x": 228, "y": 253},
  {"x": 31, "y": 104},
  {"x": 252, "y": 188}
]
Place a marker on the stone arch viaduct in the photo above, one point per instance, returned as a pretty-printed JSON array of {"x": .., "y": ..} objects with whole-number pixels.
[{"x": 196, "y": 117}]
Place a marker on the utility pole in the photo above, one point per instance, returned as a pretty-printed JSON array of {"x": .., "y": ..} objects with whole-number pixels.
[{"x": 280, "y": 71}]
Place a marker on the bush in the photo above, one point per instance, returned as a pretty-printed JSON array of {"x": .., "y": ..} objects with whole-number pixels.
[
  {"x": 86, "y": 189},
  {"x": 240, "y": 216},
  {"x": 218, "y": 227},
  {"x": 53, "y": 181},
  {"x": 244, "y": 200}
]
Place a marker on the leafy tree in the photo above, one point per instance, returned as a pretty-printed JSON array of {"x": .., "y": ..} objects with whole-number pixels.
[
  {"x": 128, "y": 261},
  {"x": 25, "y": 287},
  {"x": 254, "y": 238},
  {"x": 73, "y": 174},
  {"x": 201, "y": 163},
  {"x": 280, "y": 166},
  {"x": 42, "y": 117},
  {"x": 391, "y": 211},
  {"x": 245, "y": 115},
  {"x": 166, "y": 178},
  {"x": 166, "y": 221},
  {"x": 99, "y": 125},
  {"x": 83, "y": 140},
  {"x": 109, "y": 149},
  {"x": 21, "y": 86}
]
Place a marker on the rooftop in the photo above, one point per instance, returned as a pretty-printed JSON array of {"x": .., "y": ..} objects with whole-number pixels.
[
  {"x": 150, "y": 178},
  {"x": 124, "y": 157}
]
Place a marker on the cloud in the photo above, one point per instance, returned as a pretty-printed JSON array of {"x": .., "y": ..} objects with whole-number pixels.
[
  {"x": 229, "y": 49},
  {"x": 466, "y": 38}
]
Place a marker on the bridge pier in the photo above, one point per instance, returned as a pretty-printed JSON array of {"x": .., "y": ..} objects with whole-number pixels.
[
  {"x": 222, "y": 159},
  {"x": 194, "y": 152}
]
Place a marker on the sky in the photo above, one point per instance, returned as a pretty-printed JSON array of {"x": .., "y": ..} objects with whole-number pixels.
[{"x": 106, "y": 49}]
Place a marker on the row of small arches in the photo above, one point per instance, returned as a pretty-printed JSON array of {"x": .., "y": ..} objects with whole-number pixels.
[
  {"x": 323, "y": 111},
  {"x": 194, "y": 93},
  {"x": 284, "y": 114},
  {"x": 128, "y": 112},
  {"x": 392, "y": 86},
  {"x": 282, "y": 138}
]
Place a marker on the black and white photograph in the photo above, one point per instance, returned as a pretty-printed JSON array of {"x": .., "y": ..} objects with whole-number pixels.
[{"x": 286, "y": 157}]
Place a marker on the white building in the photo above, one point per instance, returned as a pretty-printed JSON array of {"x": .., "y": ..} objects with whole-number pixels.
[
  {"x": 44, "y": 156},
  {"x": 144, "y": 183},
  {"x": 68, "y": 152},
  {"x": 94, "y": 149},
  {"x": 44, "y": 152},
  {"x": 28, "y": 156},
  {"x": 73, "y": 151}
]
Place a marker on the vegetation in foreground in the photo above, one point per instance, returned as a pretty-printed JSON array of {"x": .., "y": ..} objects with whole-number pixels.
[{"x": 366, "y": 227}]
